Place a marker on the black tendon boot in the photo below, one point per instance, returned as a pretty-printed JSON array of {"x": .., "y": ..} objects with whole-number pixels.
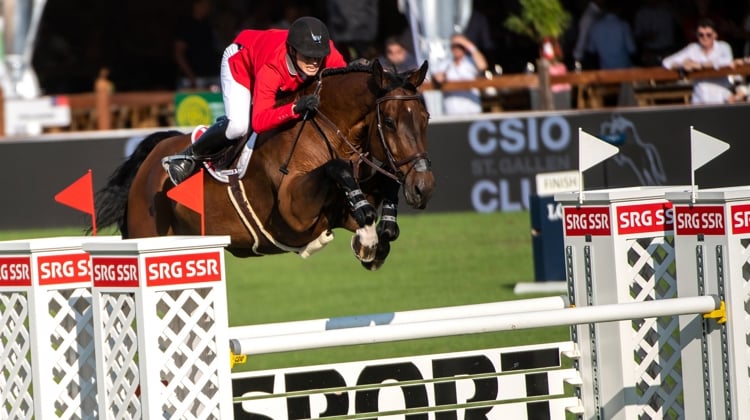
[{"x": 182, "y": 165}]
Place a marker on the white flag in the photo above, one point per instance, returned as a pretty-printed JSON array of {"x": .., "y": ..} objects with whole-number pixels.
[
  {"x": 704, "y": 148},
  {"x": 592, "y": 150}
]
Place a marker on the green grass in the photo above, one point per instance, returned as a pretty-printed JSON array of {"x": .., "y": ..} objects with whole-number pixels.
[{"x": 439, "y": 260}]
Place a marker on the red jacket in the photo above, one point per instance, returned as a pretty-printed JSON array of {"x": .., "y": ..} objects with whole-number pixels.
[{"x": 261, "y": 66}]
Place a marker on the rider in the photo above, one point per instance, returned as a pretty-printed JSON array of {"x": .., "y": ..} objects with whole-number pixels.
[{"x": 254, "y": 68}]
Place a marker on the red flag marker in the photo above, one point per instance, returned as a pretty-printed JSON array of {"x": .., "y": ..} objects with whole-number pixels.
[
  {"x": 189, "y": 193},
  {"x": 80, "y": 196}
]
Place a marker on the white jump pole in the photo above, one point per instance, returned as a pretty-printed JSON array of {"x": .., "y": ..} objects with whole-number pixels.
[
  {"x": 475, "y": 325},
  {"x": 397, "y": 318}
]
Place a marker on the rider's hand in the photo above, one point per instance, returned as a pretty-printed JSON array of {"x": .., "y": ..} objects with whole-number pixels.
[{"x": 306, "y": 103}]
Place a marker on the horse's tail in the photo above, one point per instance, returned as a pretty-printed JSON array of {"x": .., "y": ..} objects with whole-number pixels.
[{"x": 112, "y": 200}]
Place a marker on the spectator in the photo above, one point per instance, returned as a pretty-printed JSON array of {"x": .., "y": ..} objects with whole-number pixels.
[
  {"x": 590, "y": 15},
  {"x": 354, "y": 26},
  {"x": 399, "y": 57},
  {"x": 744, "y": 31},
  {"x": 560, "y": 91},
  {"x": 466, "y": 63},
  {"x": 655, "y": 28},
  {"x": 708, "y": 52},
  {"x": 292, "y": 10},
  {"x": 478, "y": 31},
  {"x": 610, "y": 39},
  {"x": 196, "y": 49},
  {"x": 703, "y": 9}
]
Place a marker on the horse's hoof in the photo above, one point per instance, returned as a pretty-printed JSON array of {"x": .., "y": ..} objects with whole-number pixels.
[
  {"x": 384, "y": 248},
  {"x": 365, "y": 243},
  {"x": 373, "y": 265},
  {"x": 363, "y": 253}
]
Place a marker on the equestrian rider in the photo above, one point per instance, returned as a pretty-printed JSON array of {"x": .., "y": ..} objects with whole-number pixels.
[{"x": 254, "y": 69}]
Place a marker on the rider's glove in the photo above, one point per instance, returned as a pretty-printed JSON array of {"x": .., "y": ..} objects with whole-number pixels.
[{"x": 306, "y": 103}]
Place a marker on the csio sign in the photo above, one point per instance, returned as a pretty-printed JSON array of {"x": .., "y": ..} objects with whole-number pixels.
[
  {"x": 159, "y": 270},
  {"x": 645, "y": 218}
]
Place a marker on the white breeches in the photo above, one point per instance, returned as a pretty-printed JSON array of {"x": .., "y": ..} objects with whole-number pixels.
[{"x": 237, "y": 98}]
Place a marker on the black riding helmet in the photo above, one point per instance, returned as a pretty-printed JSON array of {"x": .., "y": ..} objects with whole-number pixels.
[{"x": 309, "y": 37}]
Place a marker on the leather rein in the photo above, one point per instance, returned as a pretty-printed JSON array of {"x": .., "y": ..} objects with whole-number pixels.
[{"x": 392, "y": 170}]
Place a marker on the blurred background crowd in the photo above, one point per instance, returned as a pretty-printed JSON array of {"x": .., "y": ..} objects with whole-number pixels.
[{"x": 139, "y": 41}]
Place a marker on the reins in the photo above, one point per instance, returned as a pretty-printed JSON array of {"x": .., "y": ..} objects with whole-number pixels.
[
  {"x": 285, "y": 166},
  {"x": 362, "y": 156}
]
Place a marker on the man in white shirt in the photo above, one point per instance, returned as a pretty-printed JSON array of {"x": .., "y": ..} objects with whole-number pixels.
[
  {"x": 708, "y": 52},
  {"x": 466, "y": 63}
]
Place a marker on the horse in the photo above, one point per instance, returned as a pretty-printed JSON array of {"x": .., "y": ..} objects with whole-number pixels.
[{"x": 333, "y": 169}]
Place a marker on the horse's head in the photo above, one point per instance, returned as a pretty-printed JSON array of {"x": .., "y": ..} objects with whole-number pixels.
[{"x": 398, "y": 136}]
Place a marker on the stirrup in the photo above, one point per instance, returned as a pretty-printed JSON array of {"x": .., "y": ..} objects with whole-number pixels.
[{"x": 179, "y": 167}]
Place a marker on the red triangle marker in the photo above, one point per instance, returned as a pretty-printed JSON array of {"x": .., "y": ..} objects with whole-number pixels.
[
  {"x": 80, "y": 196},
  {"x": 189, "y": 193}
]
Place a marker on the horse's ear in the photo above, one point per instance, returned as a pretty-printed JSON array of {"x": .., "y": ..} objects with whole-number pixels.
[
  {"x": 377, "y": 74},
  {"x": 415, "y": 79}
]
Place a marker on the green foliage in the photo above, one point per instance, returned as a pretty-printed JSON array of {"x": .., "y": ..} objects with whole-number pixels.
[{"x": 539, "y": 19}]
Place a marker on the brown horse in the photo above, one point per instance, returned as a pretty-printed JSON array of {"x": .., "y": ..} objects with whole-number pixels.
[{"x": 332, "y": 170}]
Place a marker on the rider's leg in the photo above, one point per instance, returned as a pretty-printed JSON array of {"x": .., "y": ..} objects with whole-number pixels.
[
  {"x": 237, "y": 100},
  {"x": 211, "y": 141}
]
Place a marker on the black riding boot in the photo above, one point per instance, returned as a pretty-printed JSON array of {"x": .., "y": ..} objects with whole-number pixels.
[{"x": 182, "y": 165}]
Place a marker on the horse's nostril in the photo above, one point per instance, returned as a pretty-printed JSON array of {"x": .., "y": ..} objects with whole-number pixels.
[{"x": 418, "y": 192}]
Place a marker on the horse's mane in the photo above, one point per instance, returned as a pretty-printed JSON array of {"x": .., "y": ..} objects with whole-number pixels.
[
  {"x": 394, "y": 79},
  {"x": 351, "y": 68}
]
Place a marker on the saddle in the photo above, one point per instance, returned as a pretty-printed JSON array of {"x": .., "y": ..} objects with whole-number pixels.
[{"x": 231, "y": 160}]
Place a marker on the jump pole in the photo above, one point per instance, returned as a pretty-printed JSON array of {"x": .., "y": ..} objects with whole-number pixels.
[
  {"x": 475, "y": 325},
  {"x": 396, "y": 318}
]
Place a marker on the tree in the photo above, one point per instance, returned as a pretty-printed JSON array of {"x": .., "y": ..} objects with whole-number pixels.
[{"x": 539, "y": 20}]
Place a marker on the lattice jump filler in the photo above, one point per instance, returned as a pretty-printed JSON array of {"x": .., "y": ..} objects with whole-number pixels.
[
  {"x": 712, "y": 240},
  {"x": 46, "y": 330},
  {"x": 162, "y": 346},
  {"x": 619, "y": 247}
]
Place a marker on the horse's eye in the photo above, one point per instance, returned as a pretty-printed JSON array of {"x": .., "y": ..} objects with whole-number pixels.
[{"x": 389, "y": 122}]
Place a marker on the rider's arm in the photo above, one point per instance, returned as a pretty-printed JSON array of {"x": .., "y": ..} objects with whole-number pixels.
[{"x": 264, "y": 116}]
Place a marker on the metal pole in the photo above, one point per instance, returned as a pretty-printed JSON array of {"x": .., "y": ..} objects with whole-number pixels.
[
  {"x": 475, "y": 325},
  {"x": 397, "y": 318}
]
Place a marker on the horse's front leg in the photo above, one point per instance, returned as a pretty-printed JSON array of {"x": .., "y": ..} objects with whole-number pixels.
[
  {"x": 365, "y": 240},
  {"x": 387, "y": 229}
]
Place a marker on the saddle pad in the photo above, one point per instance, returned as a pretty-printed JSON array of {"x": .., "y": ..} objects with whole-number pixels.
[{"x": 239, "y": 168}]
